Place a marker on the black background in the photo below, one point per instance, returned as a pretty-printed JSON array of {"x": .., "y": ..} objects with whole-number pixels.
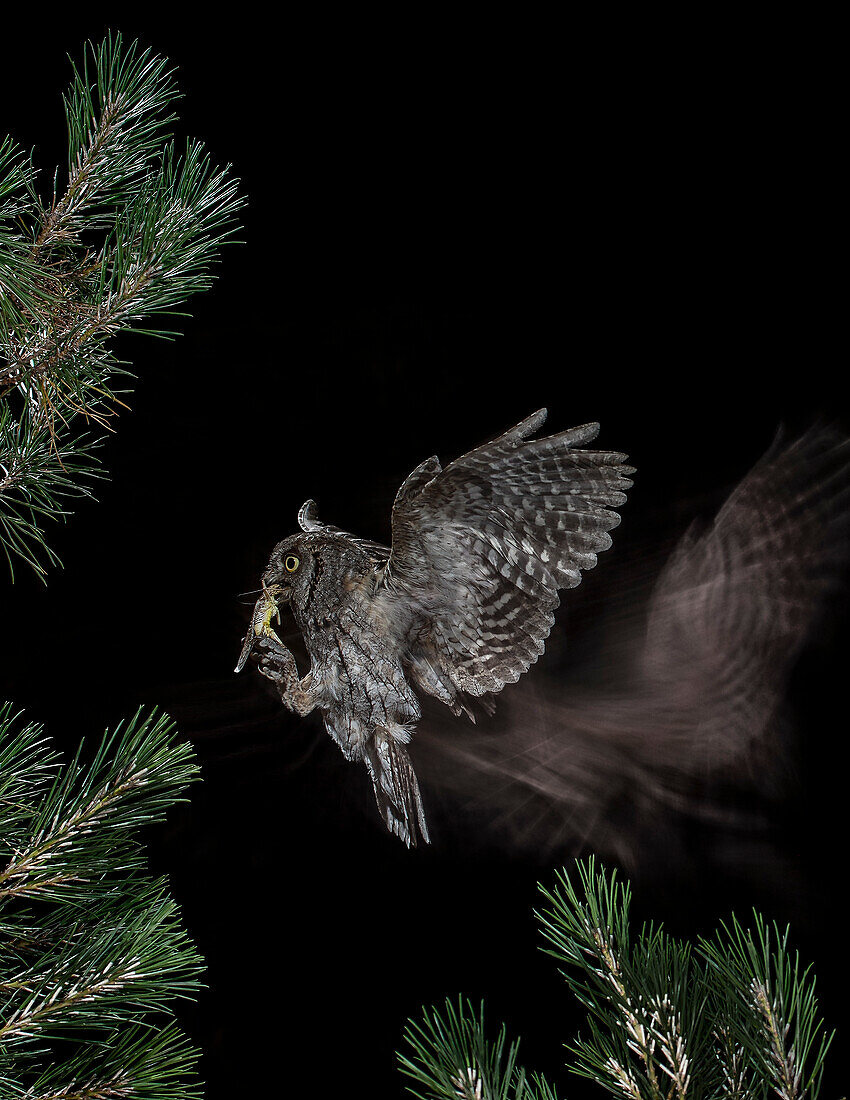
[{"x": 447, "y": 228}]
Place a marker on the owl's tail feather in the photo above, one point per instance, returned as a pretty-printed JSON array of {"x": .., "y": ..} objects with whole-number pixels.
[{"x": 396, "y": 786}]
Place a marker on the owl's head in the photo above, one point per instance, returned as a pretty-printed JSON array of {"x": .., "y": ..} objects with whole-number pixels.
[
  {"x": 289, "y": 570},
  {"x": 306, "y": 570}
]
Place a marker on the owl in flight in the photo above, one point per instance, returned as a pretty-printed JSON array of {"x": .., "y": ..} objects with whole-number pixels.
[{"x": 460, "y": 605}]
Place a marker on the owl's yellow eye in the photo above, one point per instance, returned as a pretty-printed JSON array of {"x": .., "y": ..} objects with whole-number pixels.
[{"x": 291, "y": 563}]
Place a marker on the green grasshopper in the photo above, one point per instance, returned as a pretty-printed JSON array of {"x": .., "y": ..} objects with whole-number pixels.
[{"x": 265, "y": 609}]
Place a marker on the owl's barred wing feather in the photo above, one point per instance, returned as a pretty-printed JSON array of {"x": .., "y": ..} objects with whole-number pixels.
[{"x": 483, "y": 546}]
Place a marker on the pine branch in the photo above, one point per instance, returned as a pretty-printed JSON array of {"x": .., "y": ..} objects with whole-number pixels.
[
  {"x": 92, "y": 949},
  {"x": 161, "y": 219},
  {"x": 734, "y": 1019},
  {"x": 777, "y": 1026},
  {"x": 136, "y": 1062},
  {"x": 725, "y": 1022},
  {"x": 137, "y": 773},
  {"x": 28, "y": 289},
  {"x": 101, "y": 970},
  {"x": 637, "y": 1042},
  {"x": 452, "y": 1058},
  {"x": 115, "y": 126},
  {"x": 39, "y": 468}
]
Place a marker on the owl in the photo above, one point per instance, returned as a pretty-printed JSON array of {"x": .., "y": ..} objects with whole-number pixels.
[{"x": 459, "y": 606}]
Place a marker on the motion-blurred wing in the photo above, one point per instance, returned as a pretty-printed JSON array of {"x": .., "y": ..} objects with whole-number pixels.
[
  {"x": 735, "y": 602},
  {"x": 482, "y": 547}
]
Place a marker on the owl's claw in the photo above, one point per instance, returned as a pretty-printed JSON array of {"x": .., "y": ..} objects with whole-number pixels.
[
  {"x": 277, "y": 664},
  {"x": 273, "y": 659}
]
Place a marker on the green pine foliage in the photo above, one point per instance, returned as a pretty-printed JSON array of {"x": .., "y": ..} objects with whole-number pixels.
[
  {"x": 93, "y": 954},
  {"x": 733, "y": 1017},
  {"x": 134, "y": 234},
  {"x": 452, "y": 1059}
]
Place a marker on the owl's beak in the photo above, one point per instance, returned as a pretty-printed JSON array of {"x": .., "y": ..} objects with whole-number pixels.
[{"x": 276, "y": 587}]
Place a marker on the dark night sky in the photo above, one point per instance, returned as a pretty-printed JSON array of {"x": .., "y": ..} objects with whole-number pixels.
[{"x": 443, "y": 235}]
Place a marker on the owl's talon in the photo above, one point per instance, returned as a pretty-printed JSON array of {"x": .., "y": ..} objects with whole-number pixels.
[
  {"x": 276, "y": 663},
  {"x": 270, "y": 653},
  {"x": 274, "y": 645}
]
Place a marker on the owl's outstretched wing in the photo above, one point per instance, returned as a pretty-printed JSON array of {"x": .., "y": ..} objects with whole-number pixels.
[{"x": 481, "y": 549}]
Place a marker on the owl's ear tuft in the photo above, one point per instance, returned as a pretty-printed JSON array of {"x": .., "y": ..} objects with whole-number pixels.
[{"x": 308, "y": 516}]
